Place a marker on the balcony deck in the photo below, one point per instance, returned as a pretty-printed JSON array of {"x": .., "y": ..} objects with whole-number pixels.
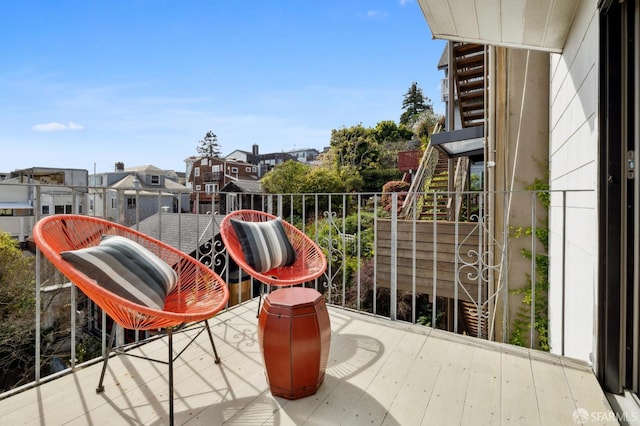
[{"x": 379, "y": 373}]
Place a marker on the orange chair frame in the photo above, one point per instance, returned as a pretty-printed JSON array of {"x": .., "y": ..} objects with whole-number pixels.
[
  {"x": 310, "y": 262},
  {"x": 198, "y": 295}
]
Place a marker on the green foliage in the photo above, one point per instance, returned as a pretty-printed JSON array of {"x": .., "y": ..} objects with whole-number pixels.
[
  {"x": 355, "y": 148},
  {"x": 413, "y": 104},
  {"x": 424, "y": 125},
  {"x": 17, "y": 279},
  {"x": 389, "y": 131},
  {"x": 542, "y": 188},
  {"x": 286, "y": 178},
  {"x": 375, "y": 179},
  {"x": 322, "y": 181},
  {"x": 295, "y": 178},
  {"x": 539, "y": 298},
  {"x": 17, "y": 311},
  {"x": 404, "y": 306},
  {"x": 425, "y": 318},
  {"x": 209, "y": 146}
]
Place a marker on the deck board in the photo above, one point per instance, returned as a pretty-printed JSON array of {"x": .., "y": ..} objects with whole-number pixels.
[
  {"x": 447, "y": 400},
  {"x": 379, "y": 372}
]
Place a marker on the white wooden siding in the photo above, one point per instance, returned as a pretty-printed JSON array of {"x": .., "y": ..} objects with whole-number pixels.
[{"x": 574, "y": 165}]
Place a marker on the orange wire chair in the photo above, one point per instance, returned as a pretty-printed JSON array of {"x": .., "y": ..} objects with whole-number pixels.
[
  {"x": 310, "y": 262},
  {"x": 198, "y": 295}
]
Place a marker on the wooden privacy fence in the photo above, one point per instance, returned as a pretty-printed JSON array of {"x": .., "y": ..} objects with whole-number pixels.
[{"x": 446, "y": 269}]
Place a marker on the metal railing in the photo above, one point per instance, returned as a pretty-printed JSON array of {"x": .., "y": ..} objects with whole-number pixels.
[{"x": 461, "y": 276}]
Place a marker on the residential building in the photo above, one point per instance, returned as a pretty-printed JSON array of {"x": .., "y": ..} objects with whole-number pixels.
[
  {"x": 306, "y": 155},
  {"x": 208, "y": 174},
  {"x": 58, "y": 191},
  {"x": 266, "y": 162},
  {"x": 240, "y": 194},
  {"x": 138, "y": 191},
  {"x": 16, "y": 210}
]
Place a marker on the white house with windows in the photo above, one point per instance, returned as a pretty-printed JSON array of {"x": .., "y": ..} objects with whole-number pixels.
[
  {"x": 136, "y": 193},
  {"x": 56, "y": 190},
  {"x": 16, "y": 209}
]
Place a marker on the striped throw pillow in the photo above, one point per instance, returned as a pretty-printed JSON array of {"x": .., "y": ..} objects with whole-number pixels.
[
  {"x": 265, "y": 245},
  {"x": 127, "y": 269}
]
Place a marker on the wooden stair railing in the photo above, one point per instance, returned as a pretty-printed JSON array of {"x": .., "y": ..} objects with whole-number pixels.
[
  {"x": 424, "y": 173},
  {"x": 454, "y": 205}
]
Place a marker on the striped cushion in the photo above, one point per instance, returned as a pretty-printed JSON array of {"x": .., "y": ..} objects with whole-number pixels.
[
  {"x": 127, "y": 269},
  {"x": 264, "y": 244}
]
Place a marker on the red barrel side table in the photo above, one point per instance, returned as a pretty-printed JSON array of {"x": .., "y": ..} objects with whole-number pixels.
[{"x": 294, "y": 333}]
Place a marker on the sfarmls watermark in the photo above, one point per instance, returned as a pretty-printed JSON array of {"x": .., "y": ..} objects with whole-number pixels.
[{"x": 582, "y": 416}]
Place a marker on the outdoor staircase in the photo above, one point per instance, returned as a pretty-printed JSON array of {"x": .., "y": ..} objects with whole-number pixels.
[
  {"x": 439, "y": 183},
  {"x": 432, "y": 177},
  {"x": 470, "y": 82}
]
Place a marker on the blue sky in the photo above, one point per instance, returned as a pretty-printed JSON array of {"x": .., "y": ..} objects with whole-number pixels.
[{"x": 85, "y": 84}]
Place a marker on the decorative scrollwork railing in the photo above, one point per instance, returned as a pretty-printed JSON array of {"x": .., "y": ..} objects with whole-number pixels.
[{"x": 480, "y": 265}]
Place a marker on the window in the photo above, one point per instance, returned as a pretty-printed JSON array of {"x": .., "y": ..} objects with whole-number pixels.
[
  {"x": 216, "y": 168},
  {"x": 6, "y": 212},
  {"x": 234, "y": 170},
  {"x": 198, "y": 187},
  {"x": 155, "y": 180},
  {"x": 58, "y": 209},
  {"x": 196, "y": 172},
  {"x": 45, "y": 209},
  {"x": 204, "y": 162},
  {"x": 131, "y": 203},
  {"x": 114, "y": 203},
  {"x": 254, "y": 169},
  {"x": 247, "y": 169},
  {"x": 68, "y": 208},
  {"x": 211, "y": 188}
]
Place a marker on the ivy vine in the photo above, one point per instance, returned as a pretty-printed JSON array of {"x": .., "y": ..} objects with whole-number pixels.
[{"x": 522, "y": 322}]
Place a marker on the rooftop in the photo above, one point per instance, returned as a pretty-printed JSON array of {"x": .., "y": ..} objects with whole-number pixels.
[{"x": 379, "y": 372}]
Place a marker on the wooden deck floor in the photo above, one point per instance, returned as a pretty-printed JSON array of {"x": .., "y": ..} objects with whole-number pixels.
[{"x": 379, "y": 373}]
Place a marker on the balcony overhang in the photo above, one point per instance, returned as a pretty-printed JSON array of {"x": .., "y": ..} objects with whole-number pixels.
[
  {"x": 457, "y": 143},
  {"x": 529, "y": 24}
]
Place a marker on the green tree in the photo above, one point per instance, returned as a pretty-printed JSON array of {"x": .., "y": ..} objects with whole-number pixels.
[
  {"x": 17, "y": 311},
  {"x": 293, "y": 177},
  {"x": 425, "y": 123},
  {"x": 413, "y": 104},
  {"x": 355, "y": 148},
  {"x": 323, "y": 181},
  {"x": 209, "y": 146},
  {"x": 286, "y": 178},
  {"x": 389, "y": 131}
]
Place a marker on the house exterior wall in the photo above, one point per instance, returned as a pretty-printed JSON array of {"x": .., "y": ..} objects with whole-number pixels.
[
  {"x": 574, "y": 166},
  {"x": 20, "y": 224},
  {"x": 521, "y": 157},
  {"x": 145, "y": 207},
  {"x": 239, "y": 155},
  {"x": 209, "y": 175},
  {"x": 62, "y": 201}
]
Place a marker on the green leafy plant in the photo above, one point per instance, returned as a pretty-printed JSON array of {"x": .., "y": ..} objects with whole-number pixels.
[{"x": 539, "y": 298}]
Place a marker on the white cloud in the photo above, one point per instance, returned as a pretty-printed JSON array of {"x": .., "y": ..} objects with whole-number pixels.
[
  {"x": 55, "y": 127},
  {"x": 74, "y": 126},
  {"x": 376, "y": 14}
]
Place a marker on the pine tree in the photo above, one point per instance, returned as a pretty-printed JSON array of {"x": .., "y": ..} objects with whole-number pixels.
[
  {"x": 413, "y": 104},
  {"x": 209, "y": 146}
]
